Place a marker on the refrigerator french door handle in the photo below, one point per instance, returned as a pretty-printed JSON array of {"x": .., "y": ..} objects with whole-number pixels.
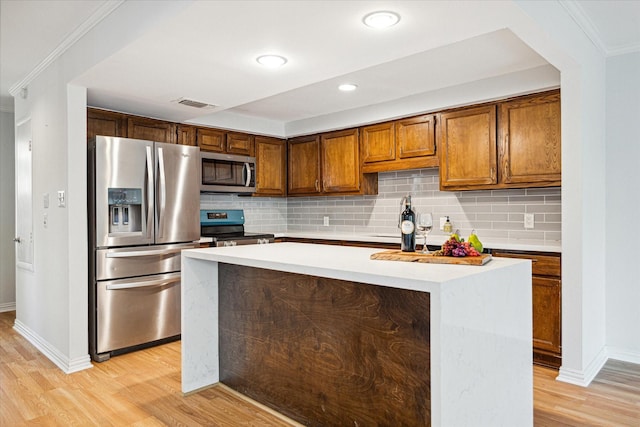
[
  {"x": 162, "y": 197},
  {"x": 134, "y": 285},
  {"x": 149, "y": 191},
  {"x": 247, "y": 169},
  {"x": 132, "y": 254}
]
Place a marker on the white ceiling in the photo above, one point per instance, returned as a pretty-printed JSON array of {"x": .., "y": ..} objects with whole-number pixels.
[{"x": 207, "y": 53}]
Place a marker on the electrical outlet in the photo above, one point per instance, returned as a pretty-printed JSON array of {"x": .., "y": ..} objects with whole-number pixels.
[
  {"x": 529, "y": 220},
  {"x": 443, "y": 219},
  {"x": 45, "y": 220},
  {"x": 326, "y": 221}
]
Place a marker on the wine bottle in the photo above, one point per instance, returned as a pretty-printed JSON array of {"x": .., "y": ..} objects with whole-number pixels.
[{"x": 408, "y": 227}]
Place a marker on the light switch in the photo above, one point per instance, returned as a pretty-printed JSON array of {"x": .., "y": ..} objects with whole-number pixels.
[
  {"x": 45, "y": 200},
  {"x": 326, "y": 221},
  {"x": 61, "y": 201}
]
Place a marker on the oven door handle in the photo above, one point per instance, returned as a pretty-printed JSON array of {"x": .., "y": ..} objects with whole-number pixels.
[
  {"x": 246, "y": 171},
  {"x": 132, "y": 254},
  {"x": 134, "y": 285}
]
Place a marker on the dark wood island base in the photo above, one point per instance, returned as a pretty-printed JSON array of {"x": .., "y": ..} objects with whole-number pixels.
[{"x": 324, "y": 351}]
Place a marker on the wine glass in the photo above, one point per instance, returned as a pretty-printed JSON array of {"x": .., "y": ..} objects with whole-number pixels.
[{"x": 424, "y": 226}]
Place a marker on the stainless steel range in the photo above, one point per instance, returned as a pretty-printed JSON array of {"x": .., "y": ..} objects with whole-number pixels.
[{"x": 226, "y": 228}]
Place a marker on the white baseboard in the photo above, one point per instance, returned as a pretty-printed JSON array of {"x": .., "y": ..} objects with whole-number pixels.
[
  {"x": 7, "y": 306},
  {"x": 623, "y": 355},
  {"x": 68, "y": 366},
  {"x": 584, "y": 377}
]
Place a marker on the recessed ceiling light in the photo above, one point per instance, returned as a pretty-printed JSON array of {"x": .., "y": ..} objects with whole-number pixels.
[
  {"x": 271, "y": 61},
  {"x": 347, "y": 87},
  {"x": 381, "y": 19}
]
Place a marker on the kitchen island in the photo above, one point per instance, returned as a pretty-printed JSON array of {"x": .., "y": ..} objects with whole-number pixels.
[{"x": 358, "y": 338}]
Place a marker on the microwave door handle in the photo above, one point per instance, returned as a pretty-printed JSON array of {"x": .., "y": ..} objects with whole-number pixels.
[
  {"x": 247, "y": 169},
  {"x": 149, "y": 191},
  {"x": 162, "y": 196},
  {"x": 133, "y": 285}
]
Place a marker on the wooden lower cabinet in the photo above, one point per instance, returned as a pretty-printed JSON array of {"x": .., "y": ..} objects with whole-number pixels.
[{"x": 546, "y": 305}]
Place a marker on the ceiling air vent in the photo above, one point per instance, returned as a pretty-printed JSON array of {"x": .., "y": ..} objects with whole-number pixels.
[{"x": 196, "y": 104}]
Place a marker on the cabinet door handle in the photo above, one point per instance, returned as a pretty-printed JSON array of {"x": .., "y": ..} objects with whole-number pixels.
[
  {"x": 317, "y": 185},
  {"x": 493, "y": 173}
]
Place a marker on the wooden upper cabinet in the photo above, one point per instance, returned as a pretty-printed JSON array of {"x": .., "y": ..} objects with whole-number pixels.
[
  {"x": 328, "y": 163},
  {"x": 416, "y": 137},
  {"x": 240, "y": 143},
  {"x": 340, "y": 161},
  {"x": 271, "y": 166},
  {"x": 304, "y": 165},
  {"x": 151, "y": 129},
  {"x": 186, "y": 135},
  {"x": 106, "y": 123},
  {"x": 402, "y": 144},
  {"x": 378, "y": 143},
  {"x": 529, "y": 140},
  {"x": 467, "y": 146},
  {"x": 211, "y": 139}
]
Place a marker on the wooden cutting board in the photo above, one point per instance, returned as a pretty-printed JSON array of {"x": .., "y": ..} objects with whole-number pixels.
[{"x": 397, "y": 255}]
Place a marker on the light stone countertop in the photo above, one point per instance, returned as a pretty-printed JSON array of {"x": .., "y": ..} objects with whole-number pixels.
[
  {"x": 435, "y": 240},
  {"x": 346, "y": 263}
]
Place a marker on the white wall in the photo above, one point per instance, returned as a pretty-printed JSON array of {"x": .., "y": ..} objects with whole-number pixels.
[
  {"x": 7, "y": 213},
  {"x": 623, "y": 206},
  {"x": 51, "y": 300}
]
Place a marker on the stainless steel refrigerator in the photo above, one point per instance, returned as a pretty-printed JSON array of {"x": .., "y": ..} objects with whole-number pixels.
[{"x": 144, "y": 207}]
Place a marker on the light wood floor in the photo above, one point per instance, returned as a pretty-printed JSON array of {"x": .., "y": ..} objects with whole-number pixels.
[{"x": 143, "y": 389}]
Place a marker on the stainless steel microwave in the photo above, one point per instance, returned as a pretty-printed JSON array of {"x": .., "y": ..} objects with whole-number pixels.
[{"x": 227, "y": 173}]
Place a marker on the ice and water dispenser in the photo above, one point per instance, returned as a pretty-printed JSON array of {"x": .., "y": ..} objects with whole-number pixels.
[{"x": 125, "y": 210}]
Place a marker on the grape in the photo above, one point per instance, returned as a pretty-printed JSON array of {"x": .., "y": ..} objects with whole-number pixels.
[{"x": 456, "y": 248}]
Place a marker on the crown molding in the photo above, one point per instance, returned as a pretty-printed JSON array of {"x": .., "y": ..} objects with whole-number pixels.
[
  {"x": 585, "y": 23},
  {"x": 102, "y": 12},
  {"x": 578, "y": 14}
]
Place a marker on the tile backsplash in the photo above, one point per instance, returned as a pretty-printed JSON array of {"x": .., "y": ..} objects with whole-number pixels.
[{"x": 492, "y": 213}]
